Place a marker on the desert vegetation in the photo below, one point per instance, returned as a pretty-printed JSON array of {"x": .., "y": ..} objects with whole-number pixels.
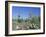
[{"x": 32, "y": 22}]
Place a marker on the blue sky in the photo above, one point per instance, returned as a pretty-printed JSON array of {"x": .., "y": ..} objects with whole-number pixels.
[{"x": 24, "y": 11}]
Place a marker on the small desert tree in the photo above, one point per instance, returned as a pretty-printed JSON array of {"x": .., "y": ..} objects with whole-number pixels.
[{"x": 20, "y": 19}]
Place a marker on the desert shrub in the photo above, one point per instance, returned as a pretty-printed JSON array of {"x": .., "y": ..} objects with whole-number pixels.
[{"x": 35, "y": 21}]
